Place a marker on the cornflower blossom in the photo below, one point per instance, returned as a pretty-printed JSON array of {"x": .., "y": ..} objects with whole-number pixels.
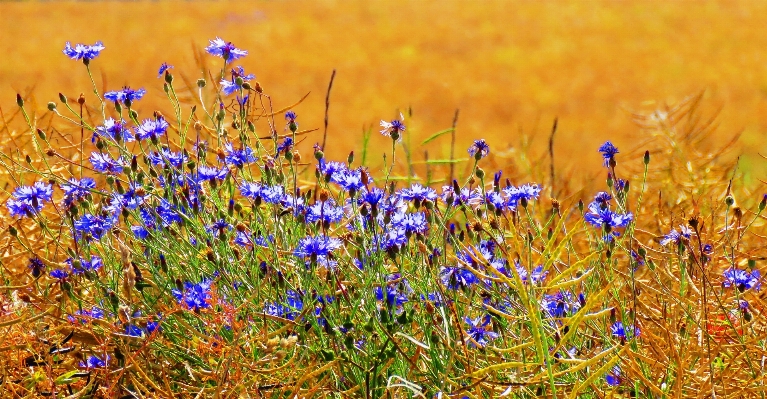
[
  {"x": 83, "y": 51},
  {"x": 674, "y": 236},
  {"x": 273, "y": 194},
  {"x": 95, "y": 362},
  {"x": 84, "y": 316},
  {"x": 285, "y": 146},
  {"x": 393, "y": 297},
  {"x": 559, "y": 304},
  {"x": 608, "y": 151},
  {"x": 496, "y": 200},
  {"x": 613, "y": 378},
  {"x": 113, "y": 129},
  {"x": 455, "y": 278},
  {"x": 536, "y": 276},
  {"x": 394, "y": 128},
  {"x": 104, "y": 163},
  {"x": 326, "y": 211},
  {"x": 525, "y": 192},
  {"x": 599, "y": 216},
  {"x": 418, "y": 193},
  {"x": 29, "y": 200},
  {"x": 238, "y": 157},
  {"x": 349, "y": 180},
  {"x": 479, "y": 331},
  {"x": 36, "y": 267},
  {"x": 94, "y": 226},
  {"x": 126, "y": 95},
  {"x": 479, "y": 149},
  {"x": 411, "y": 223},
  {"x": 194, "y": 296},
  {"x": 225, "y": 50},
  {"x": 206, "y": 173},
  {"x": 391, "y": 239},
  {"x": 332, "y": 169},
  {"x": 229, "y": 87},
  {"x": 371, "y": 197},
  {"x": 619, "y": 331},
  {"x": 130, "y": 199},
  {"x": 290, "y": 120},
  {"x": 151, "y": 128},
  {"x": 603, "y": 198},
  {"x": 218, "y": 227},
  {"x": 59, "y": 274},
  {"x": 164, "y": 67},
  {"x": 313, "y": 247},
  {"x": 168, "y": 213},
  {"x": 175, "y": 159},
  {"x": 466, "y": 196},
  {"x": 742, "y": 279}
]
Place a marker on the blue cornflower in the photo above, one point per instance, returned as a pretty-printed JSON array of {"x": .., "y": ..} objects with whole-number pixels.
[
  {"x": 85, "y": 265},
  {"x": 225, "y": 50},
  {"x": 239, "y": 157},
  {"x": 164, "y": 67},
  {"x": 285, "y": 146},
  {"x": 113, "y": 129},
  {"x": 83, "y": 51},
  {"x": 205, "y": 173},
  {"x": 394, "y": 128},
  {"x": 613, "y": 378},
  {"x": 537, "y": 276},
  {"x": 175, "y": 159},
  {"x": 36, "y": 266},
  {"x": 392, "y": 239},
  {"x": 94, "y": 226},
  {"x": 479, "y": 149},
  {"x": 250, "y": 189},
  {"x": 218, "y": 227},
  {"x": 394, "y": 297},
  {"x": 465, "y": 197},
  {"x": 496, "y": 200},
  {"x": 168, "y": 213},
  {"x": 603, "y": 198},
  {"x": 126, "y": 95},
  {"x": 313, "y": 247},
  {"x": 411, "y": 222},
  {"x": 104, "y": 163},
  {"x": 273, "y": 194},
  {"x": 59, "y": 274},
  {"x": 230, "y": 86},
  {"x": 94, "y": 362},
  {"x": 22, "y": 209},
  {"x": 84, "y": 316},
  {"x": 77, "y": 189},
  {"x": 290, "y": 120},
  {"x": 479, "y": 331},
  {"x": 40, "y": 192},
  {"x": 741, "y": 279},
  {"x": 619, "y": 331},
  {"x": 608, "y": 151},
  {"x": 151, "y": 127},
  {"x": 326, "y": 211},
  {"x": 350, "y": 180},
  {"x": 674, "y": 236},
  {"x": 558, "y": 305},
  {"x": 194, "y": 296},
  {"x": 419, "y": 193},
  {"x": 332, "y": 169},
  {"x": 525, "y": 192},
  {"x": 133, "y": 330},
  {"x": 600, "y": 217},
  {"x": 457, "y": 278},
  {"x": 371, "y": 197}
]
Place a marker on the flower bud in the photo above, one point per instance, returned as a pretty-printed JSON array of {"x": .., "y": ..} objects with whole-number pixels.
[
  {"x": 62, "y": 98},
  {"x": 168, "y": 77},
  {"x": 41, "y": 134},
  {"x": 201, "y": 83},
  {"x": 646, "y": 157},
  {"x": 246, "y": 85},
  {"x": 51, "y": 106},
  {"x": 81, "y": 99},
  {"x": 19, "y": 100},
  {"x": 480, "y": 173},
  {"x": 729, "y": 200}
]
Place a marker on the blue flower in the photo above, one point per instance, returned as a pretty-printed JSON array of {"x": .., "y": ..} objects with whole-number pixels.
[
  {"x": 619, "y": 331},
  {"x": 151, "y": 127},
  {"x": 164, "y": 67},
  {"x": 349, "y": 180},
  {"x": 112, "y": 129},
  {"x": 83, "y": 51},
  {"x": 104, "y": 163},
  {"x": 133, "y": 331},
  {"x": 273, "y": 194},
  {"x": 603, "y": 198},
  {"x": 218, "y": 227},
  {"x": 326, "y": 211},
  {"x": 250, "y": 189},
  {"x": 230, "y": 86},
  {"x": 205, "y": 173},
  {"x": 465, "y": 196},
  {"x": 59, "y": 274},
  {"x": 94, "y": 362},
  {"x": 316, "y": 246},
  {"x": 22, "y": 208},
  {"x": 175, "y": 159},
  {"x": 77, "y": 189},
  {"x": 741, "y": 279},
  {"x": 331, "y": 169},
  {"x": 537, "y": 276},
  {"x": 85, "y": 266},
  {"x": 39, "y": 192},
  {"x": 391, "y": 239},
  {"x": 290, "y": 120},
  {"x": 394, "y": 128},
  {"x": 479, "y": 149},
  {"x": 371, "y": 197},
  {"x": 225, "y": 50},
  {"x": 394, "y": 297},
  {"x": 94, "y": 226},
  {"x": 419, "y": 193},
  {"x": 613, "y": 378},
  {"x": 608, "y": 151},
  {"x": 84, "y": 316},
  {"x": 285, "y": 146},
  {"x": 674, "y": 236},
  {"x": 599, "y": 216},
  {"x": 526, "y": 192},
  {"x": 479, "y": 331},
  {"x": 457, "y": 278},
  {"x": 239, "y": 157},
  {"x": 411, "y": 222},
  {"x": 558, "y": 305},
  {"x": 126, "y": 95},
  {"x": 168, "y": 213},
  {"x": 36, "y": 266},
  {"x": 194, "y": 296}
]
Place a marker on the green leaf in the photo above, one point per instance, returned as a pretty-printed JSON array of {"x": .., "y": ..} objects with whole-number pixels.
[
  {"x": 66, "y": 378},
  {"x": 435, "y": 135}
]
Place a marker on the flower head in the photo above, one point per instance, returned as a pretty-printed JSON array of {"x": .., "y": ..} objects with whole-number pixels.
[
  {"x": 113, "y": 129},
  {"x": 479, "y": 331},
  {"x": 194, "y": 296},
  {"x": 741, "y": 279},
  {"x": 126, "y": 95},
  {"x": 83, "y": 51},
  {"x": 151, "y": 127},
  {"x": 225, "y": 50},
  {"x": 313, "y": 247},
  {"x": 164, "y": 67},
  {"x": 608, "y": 151},
  {"x": 479, "y": 149},
  {"x": 104, "y": 163},
  {"x": 674, "y": 236},
  {"x": 394, "y": 128}
]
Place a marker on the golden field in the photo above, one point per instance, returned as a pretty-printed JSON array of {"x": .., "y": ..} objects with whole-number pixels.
[{"x": 511, "y": 67}]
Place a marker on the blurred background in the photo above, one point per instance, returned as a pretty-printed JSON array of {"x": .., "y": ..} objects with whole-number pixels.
[{"x": 511, "y": 67}]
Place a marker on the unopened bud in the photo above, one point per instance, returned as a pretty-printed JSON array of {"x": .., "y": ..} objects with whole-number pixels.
[
  {"x": 19, "y": 100},
  {"x": 81, "y": 99},
  {"x": 201, "y": 83},
  {"x": 51, "y": 106},
  {"x": 62, "y": 98}
]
